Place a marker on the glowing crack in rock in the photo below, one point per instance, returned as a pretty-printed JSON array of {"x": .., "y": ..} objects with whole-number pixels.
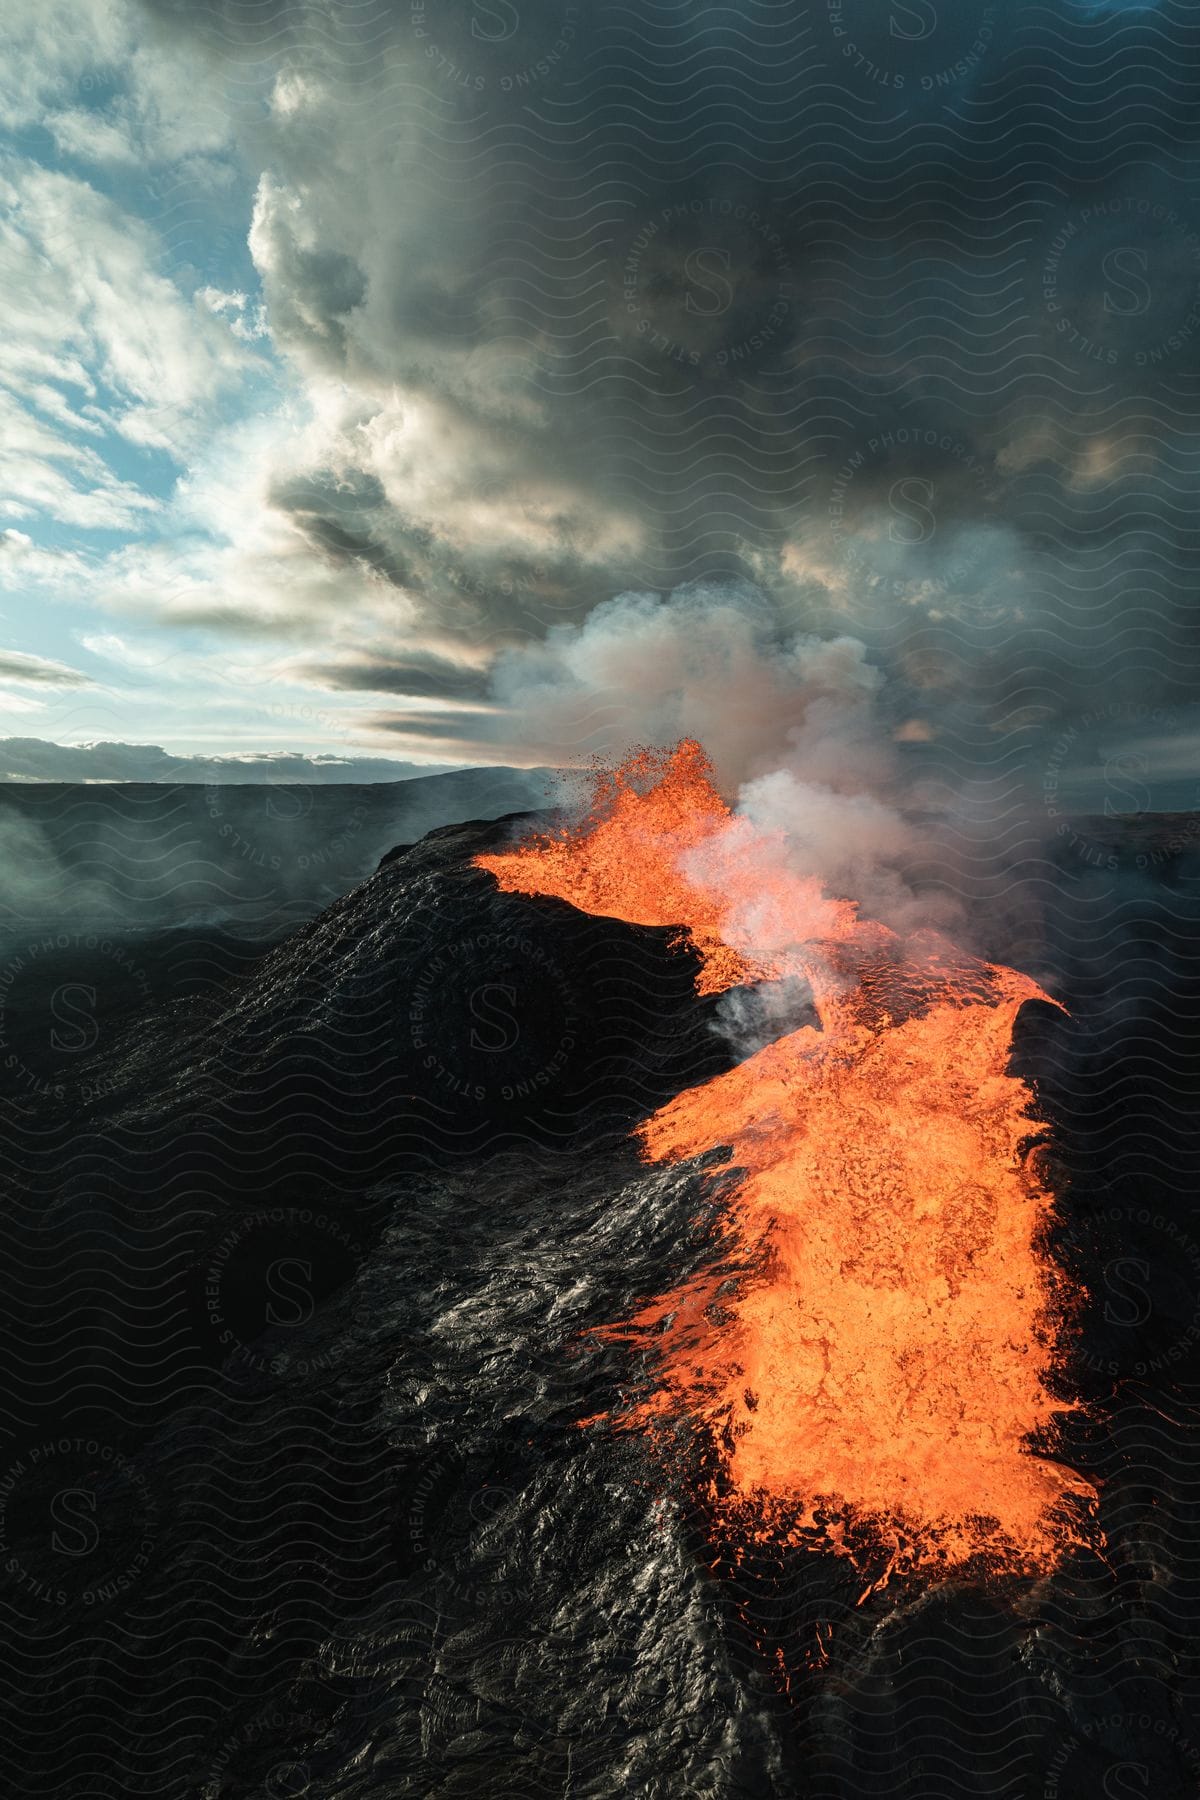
[{"x": 886, "y": 1368}]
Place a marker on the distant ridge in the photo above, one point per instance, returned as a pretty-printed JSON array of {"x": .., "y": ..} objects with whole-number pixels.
[{"x": 144, "y": 856}]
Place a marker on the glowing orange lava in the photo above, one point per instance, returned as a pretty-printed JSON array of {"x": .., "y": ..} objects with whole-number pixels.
[
  {"x": 630, "y": 856},
  {"x": 886, "y": 1368}
]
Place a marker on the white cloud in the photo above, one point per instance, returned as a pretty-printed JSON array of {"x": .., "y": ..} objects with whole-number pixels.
[
  {"x": 43, "y": 473},
  {"x": 113, "y": 648},
  {"x": 88, "y": 312},
  {"x": 164, "y": 104},
  {"x": 245, "y": 321},
  {"x": 20, "y": 703},
  {"x": 94, "y": 137},
  {"x": 24, "y": 564},
  {"x": 18, "y": 665},
  {"x": 84, "y": 276}
]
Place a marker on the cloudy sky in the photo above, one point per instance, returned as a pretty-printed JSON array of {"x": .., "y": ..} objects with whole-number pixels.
[{"x": 506, "y": 379}]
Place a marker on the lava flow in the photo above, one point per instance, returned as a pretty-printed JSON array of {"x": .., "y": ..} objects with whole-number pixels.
[{"x": 885, "y": 1369}]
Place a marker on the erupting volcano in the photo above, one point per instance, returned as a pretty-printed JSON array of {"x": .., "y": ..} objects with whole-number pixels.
[{"x": 883, "y": 1375}]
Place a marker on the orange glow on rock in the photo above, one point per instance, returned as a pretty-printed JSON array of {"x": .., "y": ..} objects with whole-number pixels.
[{"x": 885, "y": 1367}]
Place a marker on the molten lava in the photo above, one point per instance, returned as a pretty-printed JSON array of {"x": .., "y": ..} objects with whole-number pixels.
[
  {"x": 885, "y": 1369},
  {"x": 659, "y": 846}
]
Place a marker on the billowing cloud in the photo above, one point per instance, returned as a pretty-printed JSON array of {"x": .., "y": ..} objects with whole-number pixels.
[
  {"x": 559, "y": 312},
  {"x": 573, "y": 358}
]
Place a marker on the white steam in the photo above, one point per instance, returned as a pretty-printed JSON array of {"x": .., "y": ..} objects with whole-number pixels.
[
  {"x": 790, "y": 722},
  {"x": 793, "y": 729}
]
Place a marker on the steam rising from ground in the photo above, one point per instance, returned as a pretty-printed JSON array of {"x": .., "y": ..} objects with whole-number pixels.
[
  {"x": 710, "y": 662},
  {"x": 792, "y": 723}
]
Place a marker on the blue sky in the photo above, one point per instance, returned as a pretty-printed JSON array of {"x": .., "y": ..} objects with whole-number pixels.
[{"x": 146, "y": 407}]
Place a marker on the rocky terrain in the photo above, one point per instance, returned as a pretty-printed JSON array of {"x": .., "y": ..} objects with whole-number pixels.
[{"x": 303, "y": 1271}]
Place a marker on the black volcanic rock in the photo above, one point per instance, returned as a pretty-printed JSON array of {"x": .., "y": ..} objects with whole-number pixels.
[
  {"x": 424, "y": 1021},
  {"x": 300, "y": 1499},
  {"x": 425, "y": 1015},
  {"x": 332, "y": 1245}
]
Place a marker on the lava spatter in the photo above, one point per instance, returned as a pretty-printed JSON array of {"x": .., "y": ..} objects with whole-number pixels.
[
  {"x": 659, "y": 846},
  {"x": 887, "y": 1367}
]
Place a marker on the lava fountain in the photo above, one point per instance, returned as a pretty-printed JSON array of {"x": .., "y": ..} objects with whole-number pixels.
[{"x": 885, "y": 1369}]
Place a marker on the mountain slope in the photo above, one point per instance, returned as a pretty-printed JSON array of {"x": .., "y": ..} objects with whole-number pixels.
[{"x": 306, "y": 1281}]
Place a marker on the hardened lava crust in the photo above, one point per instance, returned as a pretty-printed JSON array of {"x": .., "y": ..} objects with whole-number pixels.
[{"x": 304, "y": 1368}]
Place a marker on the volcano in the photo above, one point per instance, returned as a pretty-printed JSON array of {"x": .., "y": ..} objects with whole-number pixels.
[
  {"x": 892, "y": 1361},
  {"x": 410, "y": 1390}
]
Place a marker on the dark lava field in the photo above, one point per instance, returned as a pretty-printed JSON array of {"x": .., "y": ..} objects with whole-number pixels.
[{"x": 308, "y": 1234}]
